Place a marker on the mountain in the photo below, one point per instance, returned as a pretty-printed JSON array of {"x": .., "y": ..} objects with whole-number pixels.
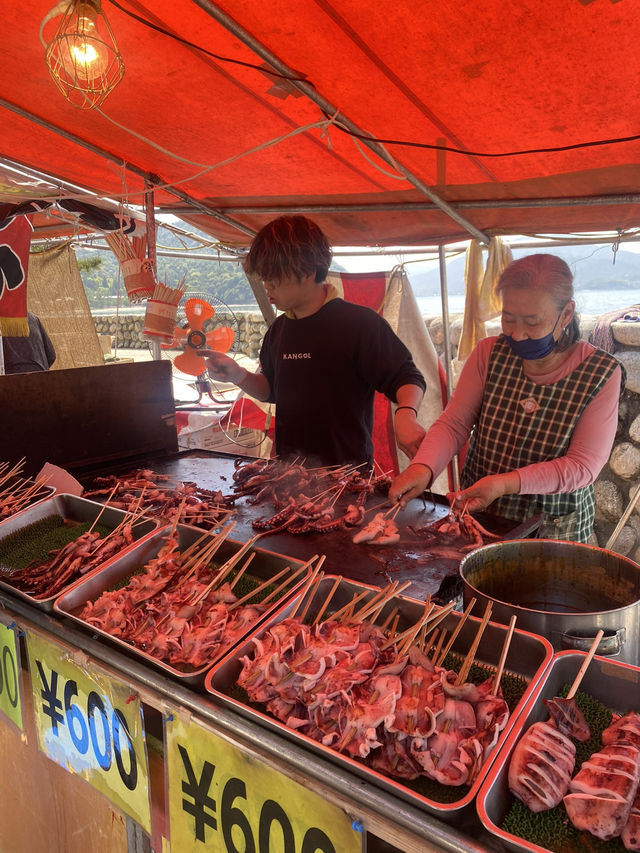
[{"x": 593, "y": 268}]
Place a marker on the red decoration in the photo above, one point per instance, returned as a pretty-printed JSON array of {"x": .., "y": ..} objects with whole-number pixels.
[{"x": 15, "y": 239}]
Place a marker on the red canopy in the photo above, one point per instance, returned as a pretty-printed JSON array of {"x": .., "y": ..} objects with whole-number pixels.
[{"x": 482, "y": 77}]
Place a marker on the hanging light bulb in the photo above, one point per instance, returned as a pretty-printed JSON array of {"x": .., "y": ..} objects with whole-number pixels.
[{"x": 83, "y": 56}]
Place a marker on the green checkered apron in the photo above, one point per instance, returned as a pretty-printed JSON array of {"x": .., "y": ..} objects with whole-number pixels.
[{"x": 521, "y": 423}]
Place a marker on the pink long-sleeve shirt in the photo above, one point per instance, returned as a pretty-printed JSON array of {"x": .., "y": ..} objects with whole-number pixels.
[{"x": 590, "y": 443}]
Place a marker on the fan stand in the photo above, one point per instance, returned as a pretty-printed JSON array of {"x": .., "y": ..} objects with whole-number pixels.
[{"x": 203, "y": 386}]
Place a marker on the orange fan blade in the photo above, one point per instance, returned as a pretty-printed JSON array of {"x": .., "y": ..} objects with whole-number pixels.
[
  {"x": 190, "y": 362},
  {"x": 197, "y": 311},
  {"x": 179, "y": 338},
  {"x": 220, "y": 339}
]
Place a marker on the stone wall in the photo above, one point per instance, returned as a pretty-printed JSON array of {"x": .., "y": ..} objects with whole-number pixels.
[
  {"x": 251, "y": 329},
  {"x": 617, "y": 482},
  {"x": 620, "y": 478}
]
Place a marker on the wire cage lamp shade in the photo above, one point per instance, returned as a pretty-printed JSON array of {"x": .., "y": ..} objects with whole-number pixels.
[{"x": 83, "y": 56}]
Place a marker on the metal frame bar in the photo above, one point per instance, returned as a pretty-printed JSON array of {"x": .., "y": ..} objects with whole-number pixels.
[{"x": 386, "y": 207}]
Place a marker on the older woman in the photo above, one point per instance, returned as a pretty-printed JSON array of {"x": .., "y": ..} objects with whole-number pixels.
[{"x": 539, "y": 405}]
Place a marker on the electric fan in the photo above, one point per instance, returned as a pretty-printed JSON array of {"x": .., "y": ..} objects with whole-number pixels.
[{"x": 202, "y": 321}]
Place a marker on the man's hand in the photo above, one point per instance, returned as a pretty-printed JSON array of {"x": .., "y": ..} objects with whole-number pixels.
[
  {"x": 410, "y": 483},
  {"x": 221, "y": 367},
  {"x": 409, "y": 433}
]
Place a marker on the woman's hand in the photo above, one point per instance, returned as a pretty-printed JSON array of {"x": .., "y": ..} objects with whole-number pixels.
[
  {"x": 485, "y": 491},
  {"x": 410, "y": 483}
]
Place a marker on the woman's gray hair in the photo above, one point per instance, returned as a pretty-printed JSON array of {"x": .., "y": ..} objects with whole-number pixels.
[{"x": 550, "y": 273}]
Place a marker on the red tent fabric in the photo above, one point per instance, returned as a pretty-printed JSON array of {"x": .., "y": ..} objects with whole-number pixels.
[{"x": 205, "y": 111}]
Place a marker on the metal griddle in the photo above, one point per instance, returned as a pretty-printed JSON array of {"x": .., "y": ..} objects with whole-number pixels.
[{"x": 408, "y": 560}]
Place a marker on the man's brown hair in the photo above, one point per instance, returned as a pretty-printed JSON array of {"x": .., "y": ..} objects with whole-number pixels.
[{"x": 289, "y": 245}]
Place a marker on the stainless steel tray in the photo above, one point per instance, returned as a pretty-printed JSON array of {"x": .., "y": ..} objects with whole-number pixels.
[
  {"x": 264, "y": 565},
  {"x": 73, "y": 510},
  {"x": 615, "y": 684},
  {"x": 528, "y": 657}
]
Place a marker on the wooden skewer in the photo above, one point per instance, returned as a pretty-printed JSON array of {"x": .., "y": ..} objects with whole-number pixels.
[
  {"x": 196, "y": 546},
  {"x": 503, "y": 656},
  {"x": 455, "y": 632},
  {"x": 262, "y": 586},
  {"x": 305, "y": 588},
  {"x": 193, "y": 557},
  {"x": 327, "y": 600},
  {"x": 389, "y": 618},
  {"x": 378, "y": 599},
  {"x": 288, "y": 582},
  {"x": 466, "y": 666},
  {"x": 242, "y": 570},
  {"x": 341, "y": 614},
  {"x": 585, "y": 664},
  {"x": 223, "y": 572},
  {"x": 438, "y": 647},
  {"x": 439, "y": 617},
  {"x": 104, "y": 506},
  {"x": 17, "y": 469},
  {"x": 393, "y": 511},
  {"x": 405, "y": 642},
  {"x": 414, "y": 629},
  {"x": 312, "y": 593}
]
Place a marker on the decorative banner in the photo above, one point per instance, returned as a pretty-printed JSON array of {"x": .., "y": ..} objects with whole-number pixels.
[
  {"x": 15, "y": 238},
  {"x": 222, "y": 798},
  {"x": 90, "y": 724},
  {"x": 10, "y": 681}
]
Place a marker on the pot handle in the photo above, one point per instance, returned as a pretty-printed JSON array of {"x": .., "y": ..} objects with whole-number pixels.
[{"x": 610, "y": 644}]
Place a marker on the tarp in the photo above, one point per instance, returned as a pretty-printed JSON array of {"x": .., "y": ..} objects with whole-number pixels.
[{"x": 548, "y": 76}]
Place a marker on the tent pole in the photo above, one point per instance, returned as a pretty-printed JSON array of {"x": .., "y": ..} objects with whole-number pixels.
[
  {"x": 447, "y": 347},
  {"x": 331, "y": 110},
  {"x": 261, "y": 298},
  {"x": 150, "y": 216}
]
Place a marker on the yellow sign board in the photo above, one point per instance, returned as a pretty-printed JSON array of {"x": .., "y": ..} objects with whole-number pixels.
[
  {"x": 91, "y": 724},
  {"x": 223, "y": 798},
  {"x": 10, "y": 697}
]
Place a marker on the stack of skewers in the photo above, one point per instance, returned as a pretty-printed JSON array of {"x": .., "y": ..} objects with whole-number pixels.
[
  {"x": 137, "y": 269},
  {"x": 379, "y": 696},
  {"x": 18, "y": 492},
  {"x": 183, "y": 610}
]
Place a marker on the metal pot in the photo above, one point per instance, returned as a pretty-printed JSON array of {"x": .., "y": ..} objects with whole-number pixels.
[{"x": 564, "y": 591}]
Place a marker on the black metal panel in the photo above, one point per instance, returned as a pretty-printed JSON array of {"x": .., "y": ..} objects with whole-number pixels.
[
  {"x": 78, "y": 417},
  {"x": 408, "y": 560}
]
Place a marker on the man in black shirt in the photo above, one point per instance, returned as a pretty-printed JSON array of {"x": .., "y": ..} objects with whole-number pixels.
[
  {"x": 323, "y": 359},
  {"x": 28, "y": 354}
]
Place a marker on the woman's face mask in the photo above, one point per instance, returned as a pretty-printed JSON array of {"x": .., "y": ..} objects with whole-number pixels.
[{"x": 531, "y": 349}]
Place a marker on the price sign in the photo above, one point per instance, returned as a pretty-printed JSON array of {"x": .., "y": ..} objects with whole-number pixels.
[
  {"x": 224, "y": 799},
  {"x": 90, "y": 724},
  {"x": 10, "y": 696}
]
